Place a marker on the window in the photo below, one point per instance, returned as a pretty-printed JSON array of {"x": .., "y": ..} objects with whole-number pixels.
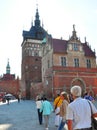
[
  {"x": 36, "y": 53},
  {"x": 75, "y": 47},
  {"x": 88, "y": 63},
  {"x": 76, "y": 62},
  {"x": 63, "y": 61},
  {"x": 48, "y": 63}
]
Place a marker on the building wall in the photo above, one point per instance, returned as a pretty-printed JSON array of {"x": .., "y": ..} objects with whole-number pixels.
[
  {"x": 31, "y": 64},
  {"x": 10, "y": 86},
  {"x": 60, "y": 78},
  {"x": 64, "y": 78}
]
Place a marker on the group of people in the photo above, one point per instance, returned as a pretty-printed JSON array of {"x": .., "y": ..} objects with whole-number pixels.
[
  {"x": 76, "y": 112},
  {"x": 44, "y": 108},
  {"x": 71, "y": 109}
]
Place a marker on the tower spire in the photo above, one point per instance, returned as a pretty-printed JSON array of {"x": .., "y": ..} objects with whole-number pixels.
[
  {"x": 8, "y": 68},
  {"x": 37, "y": 21}
]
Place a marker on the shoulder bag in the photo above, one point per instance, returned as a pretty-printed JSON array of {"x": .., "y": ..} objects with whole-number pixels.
[{"x": 93, "y": 120}]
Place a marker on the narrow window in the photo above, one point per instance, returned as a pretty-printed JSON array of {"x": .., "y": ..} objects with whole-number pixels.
[
  {"x": 75, "y": 47},
  {"x": 63, "y": 61},
  {"x": 76, "y": 62},
  {"x": 48, "y": 63},
  {"x": 88, "y": 63}
]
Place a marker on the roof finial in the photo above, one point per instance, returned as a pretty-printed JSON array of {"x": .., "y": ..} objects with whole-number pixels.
[
  {"x": 85, "y": 40},
  {"x": 42, "y": 24},
  {"x": 32, "y": 22},
  {"x": 37, "y": 4},
  {"x": 73, "y": 27}
]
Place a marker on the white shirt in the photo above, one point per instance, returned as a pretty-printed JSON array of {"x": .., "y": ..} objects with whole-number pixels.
[
  {"x": 80, "y": 112},
  {"x": 38, "y": 104}
]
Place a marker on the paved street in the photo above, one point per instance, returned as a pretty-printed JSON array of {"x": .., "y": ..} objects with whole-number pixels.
[{"x": 22, "y": 116}]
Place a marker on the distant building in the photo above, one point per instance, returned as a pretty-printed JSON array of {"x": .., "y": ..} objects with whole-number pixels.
[
  {"x": 8, "y": 82},
  {"x": 8, "y": 76}
]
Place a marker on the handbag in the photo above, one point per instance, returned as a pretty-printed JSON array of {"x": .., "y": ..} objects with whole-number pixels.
[{"x": 93, "y": 120}]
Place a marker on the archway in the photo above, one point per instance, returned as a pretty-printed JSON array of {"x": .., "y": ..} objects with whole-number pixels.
[{"x": 79, "y": 82}]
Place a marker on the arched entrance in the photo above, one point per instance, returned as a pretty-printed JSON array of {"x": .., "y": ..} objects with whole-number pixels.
[{"x": 79, "y": 82}]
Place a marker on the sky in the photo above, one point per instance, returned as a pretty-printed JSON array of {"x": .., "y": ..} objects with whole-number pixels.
[{"x": 57, "y": 16}]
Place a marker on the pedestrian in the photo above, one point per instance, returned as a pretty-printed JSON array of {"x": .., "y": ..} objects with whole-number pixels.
[
  {"x": 46, "y": 108},
  {"x": 70, "y": 98},
  {"x": 79, "y": 111},
  {"x": 88, "y": 97},
  {"x": 8, "y": 99},
  {"x": 63, "y": 109},
  {"x": 38, "y": 106},
  {"x": 57, "y": 103},
  {"x": 19, "y": 98}
]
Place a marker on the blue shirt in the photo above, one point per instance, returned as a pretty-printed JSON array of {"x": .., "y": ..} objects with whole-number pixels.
[
  {"x": 46, "y": 108},
  {"x": 89, "y": 97}
]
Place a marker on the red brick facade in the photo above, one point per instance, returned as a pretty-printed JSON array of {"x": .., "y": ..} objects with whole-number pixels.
[
  {"x": 64, "y": 78},
  {"x": 69, "y": 63},
  {"x": 10, "y": 86}
]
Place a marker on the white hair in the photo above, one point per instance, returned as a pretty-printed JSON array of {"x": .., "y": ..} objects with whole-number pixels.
[{"x": 76, "y": 91}]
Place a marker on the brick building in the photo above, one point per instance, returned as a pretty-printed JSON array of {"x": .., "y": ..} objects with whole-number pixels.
[
  {"x": 8, "y": 82},
  {"x": 52, "y": 65},
  {"x": 68, "y": 62},
  {"x": 31, "y": 55}
]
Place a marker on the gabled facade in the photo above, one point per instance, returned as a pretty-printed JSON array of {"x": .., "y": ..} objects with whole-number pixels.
[{"x": 68, "y": 62}]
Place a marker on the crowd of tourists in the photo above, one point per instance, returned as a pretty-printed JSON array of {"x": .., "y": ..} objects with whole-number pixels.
[{"x": 71, "y": 109}]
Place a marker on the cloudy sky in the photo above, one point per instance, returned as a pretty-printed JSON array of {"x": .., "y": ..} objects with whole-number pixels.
[{"x": 57, "y": 16}]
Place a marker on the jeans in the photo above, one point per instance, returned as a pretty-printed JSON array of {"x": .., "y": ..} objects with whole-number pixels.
[
  {"x": 61, "y": 126},
  {"x": 39, "y": 116}
]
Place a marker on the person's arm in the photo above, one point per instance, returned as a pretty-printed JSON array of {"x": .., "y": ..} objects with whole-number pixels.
[
  {"x": 94, "y": 115},
  {"x": 41, "y": 109},
  {"x": 70, "y": 125}
]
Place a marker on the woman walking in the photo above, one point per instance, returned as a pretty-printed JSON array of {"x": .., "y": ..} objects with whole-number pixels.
[
  {"x": 47, "y": 109},
  {"x": 63, "y": 109},
  {"x": 38, "y": 105}
]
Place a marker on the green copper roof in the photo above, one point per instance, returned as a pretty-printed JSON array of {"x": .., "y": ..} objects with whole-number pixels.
[
  {"x": 44, "y": 40},
  {"x": 8, "y": 68}
]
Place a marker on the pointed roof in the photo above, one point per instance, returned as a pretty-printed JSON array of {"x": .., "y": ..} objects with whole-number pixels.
[
  {"x": 36, "y": 31},
  {"x": 8, "y": 68}
]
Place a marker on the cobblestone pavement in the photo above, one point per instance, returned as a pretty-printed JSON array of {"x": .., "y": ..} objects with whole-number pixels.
[{"x": 22, "y": 116}]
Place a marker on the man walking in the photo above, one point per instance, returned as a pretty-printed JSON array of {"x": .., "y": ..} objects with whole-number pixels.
[{"x": 79, "y": 111}]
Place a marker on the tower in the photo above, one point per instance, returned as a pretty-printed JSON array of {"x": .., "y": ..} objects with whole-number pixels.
[
  {"x": 8, "y": 68},
  {"x": 32, "y": 54}
]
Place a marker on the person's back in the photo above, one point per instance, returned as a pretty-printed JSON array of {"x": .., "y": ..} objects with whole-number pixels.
[
  {"x": 79, "y": 111},
  {"x": 46, "y": 108},
  {"x": 82, "y": 113},
  {"x": 38, "y": 106}
]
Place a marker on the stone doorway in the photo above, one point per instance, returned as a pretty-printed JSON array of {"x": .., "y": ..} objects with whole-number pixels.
[{"x": 79, "y": 82}]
